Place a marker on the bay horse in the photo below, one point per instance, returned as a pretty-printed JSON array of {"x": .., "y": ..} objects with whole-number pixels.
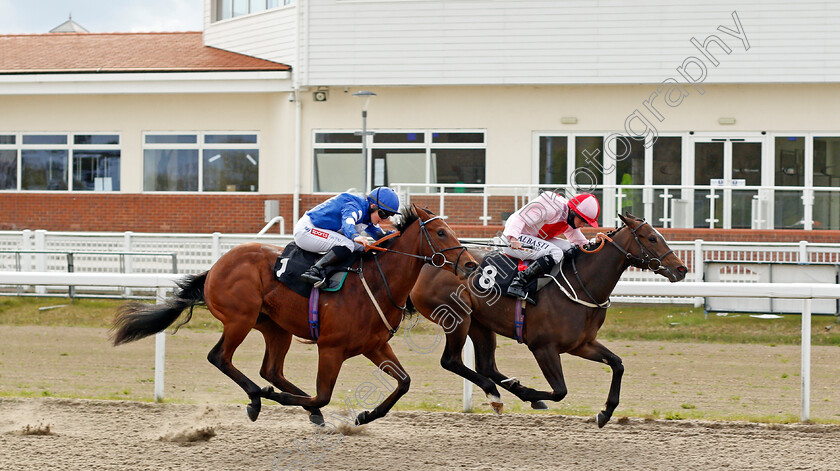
[
  {"x": 240, "y": 290},
  {"x": 556, "y": 325}
]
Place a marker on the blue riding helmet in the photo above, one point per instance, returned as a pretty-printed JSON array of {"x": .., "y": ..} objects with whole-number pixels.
[{"x": 385, "y": 198}]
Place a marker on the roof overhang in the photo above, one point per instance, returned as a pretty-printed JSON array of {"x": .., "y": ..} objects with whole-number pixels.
[{"x": 145, "y": 83}]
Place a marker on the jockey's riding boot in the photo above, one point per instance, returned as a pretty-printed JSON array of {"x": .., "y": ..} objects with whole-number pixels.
[
  {"x": 537, "y": 268},
  {"x": 316, "y": 274}
]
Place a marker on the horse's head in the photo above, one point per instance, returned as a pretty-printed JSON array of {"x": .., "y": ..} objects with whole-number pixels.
[
  {"x": 648, "y": 250},
  {"x": 438, "y": 242}
]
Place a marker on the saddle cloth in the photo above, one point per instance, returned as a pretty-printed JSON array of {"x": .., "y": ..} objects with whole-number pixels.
[
  {"x": 500, "y": 269},
  {"x": 294, "y": 261}
]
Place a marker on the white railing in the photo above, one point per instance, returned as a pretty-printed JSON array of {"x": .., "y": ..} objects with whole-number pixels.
[
  {"x": 198, "y": 252},
  {"x": 194, "y": 252},
  {"x": 663, "y": 205}
]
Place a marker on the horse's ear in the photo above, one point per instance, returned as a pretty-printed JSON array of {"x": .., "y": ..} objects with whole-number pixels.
[{"x": 622, "y": 218}]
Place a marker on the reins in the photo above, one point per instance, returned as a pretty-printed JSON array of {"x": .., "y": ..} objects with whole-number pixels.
[
  {"x": 433, "y": 260},
  {"x": 438, "y": 258}
]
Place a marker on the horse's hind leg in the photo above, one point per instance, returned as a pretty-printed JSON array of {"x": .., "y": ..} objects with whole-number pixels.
[
  {"x": 385, "y": 359},
  {"x": 277, "y": 342},
  {"x": 484, "y": 340},
  {"x": 596, "y": 352},
  {"x": 222, "y": 354}
]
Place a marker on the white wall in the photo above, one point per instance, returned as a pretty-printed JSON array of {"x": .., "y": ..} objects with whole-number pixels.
[
  {"x": 430, "y": 42},
  {"x": 268, "y": 35}
]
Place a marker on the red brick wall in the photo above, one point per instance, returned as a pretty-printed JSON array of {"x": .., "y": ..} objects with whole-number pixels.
[
  {"x": 138, "y": 212},
  {"x": 244, "y": 213}
]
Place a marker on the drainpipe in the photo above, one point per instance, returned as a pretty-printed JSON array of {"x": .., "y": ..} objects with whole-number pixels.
[
  {"x": 297, "y": 77},
  {"x": 298, "y": 158}
]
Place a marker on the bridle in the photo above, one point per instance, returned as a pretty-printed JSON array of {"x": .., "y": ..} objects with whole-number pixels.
[{"x": 647, "y": 261}]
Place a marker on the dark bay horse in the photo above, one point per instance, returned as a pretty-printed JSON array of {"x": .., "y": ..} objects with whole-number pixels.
[
  {"x": 556, "y": 325},
  {"x": 241, "y": 291}
]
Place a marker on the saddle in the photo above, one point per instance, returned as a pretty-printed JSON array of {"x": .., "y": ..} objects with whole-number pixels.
[
  {"x": 295, "y": 260},
  {"x": 498, "y": 269}
]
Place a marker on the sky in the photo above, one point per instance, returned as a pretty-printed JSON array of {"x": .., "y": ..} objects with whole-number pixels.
[{"x": 101, "y": 16}]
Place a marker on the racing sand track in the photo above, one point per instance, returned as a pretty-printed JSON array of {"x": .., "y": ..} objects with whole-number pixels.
[{"x": 115, "y": 435}]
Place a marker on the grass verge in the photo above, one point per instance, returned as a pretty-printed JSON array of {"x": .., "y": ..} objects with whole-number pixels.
[{"x": 668, "y": 322}]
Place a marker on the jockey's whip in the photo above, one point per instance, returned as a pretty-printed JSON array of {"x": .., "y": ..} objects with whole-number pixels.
[{"x": 490, "y": 244}]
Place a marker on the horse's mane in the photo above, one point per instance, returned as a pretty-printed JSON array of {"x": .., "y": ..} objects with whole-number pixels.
[{"x": 407, "y": 216}]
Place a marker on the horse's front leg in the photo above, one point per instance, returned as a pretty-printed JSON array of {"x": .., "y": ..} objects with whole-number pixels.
[
  {"x": 484, "y": 340},
  {"x": 329, "y": 365},
  {"x": 596, "y": 352},
  {"x": 385, "y": 359}
]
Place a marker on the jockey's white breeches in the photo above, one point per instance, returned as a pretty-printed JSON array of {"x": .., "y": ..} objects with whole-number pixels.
[
  {"x": 554, "y": 247},
  {"x": 314, "y": 239}
]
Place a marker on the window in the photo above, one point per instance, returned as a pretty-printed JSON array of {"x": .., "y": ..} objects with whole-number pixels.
[
  {"x": 8, "y": 162},
  {"x": 229, "y": 162},
  {"x": 8, "y": 169},
  {"x": 827, "y": 174},
  {"x": 553, "y": 158},
  {"x": 44, "y": 169},
  {"x": 667, "y": 170},
  {"x": 423, "y": 157},
  {"x": 630, "y": 170},
  {"x": 789, "y": 213},
  {"x": 60, "y": 162},
  {"x": 226, "y": 9},
  {"x": 589, "y": 155}
]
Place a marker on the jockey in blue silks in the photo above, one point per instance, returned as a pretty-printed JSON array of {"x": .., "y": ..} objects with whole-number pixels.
[{"x": 334, "y": 227}]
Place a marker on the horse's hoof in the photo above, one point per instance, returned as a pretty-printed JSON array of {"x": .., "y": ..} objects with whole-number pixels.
[
  {"x": 539, "y": 405},
  {"x": 496, "y": 403},
  {"x": 253, "y": 411},
  {"x": 601, "y": 419},
  {"x": 317, "y": 419},
  {"x": 266, "y": 391},
  {"x": 363, "y": 418}
]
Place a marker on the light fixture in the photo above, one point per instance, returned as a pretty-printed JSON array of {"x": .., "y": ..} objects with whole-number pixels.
[
  {"x": 568, "y": 120},
  {"x": 726, "y": 120}
]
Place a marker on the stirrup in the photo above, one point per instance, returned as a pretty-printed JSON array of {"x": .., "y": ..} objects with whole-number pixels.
[
  {"x": 312, "y": 278},
  {"x": 520, "y": 293}
]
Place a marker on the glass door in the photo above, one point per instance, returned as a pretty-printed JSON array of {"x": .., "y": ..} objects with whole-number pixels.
[
  {"x": 727, "y": 166},
  {"x": 708, "y": 170}
]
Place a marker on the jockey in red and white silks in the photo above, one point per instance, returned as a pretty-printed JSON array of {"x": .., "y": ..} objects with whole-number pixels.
[{"x": 538, "y": 225}]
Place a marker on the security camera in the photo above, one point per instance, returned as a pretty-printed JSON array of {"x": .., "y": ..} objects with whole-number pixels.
[{"x": 291, "y": 97}]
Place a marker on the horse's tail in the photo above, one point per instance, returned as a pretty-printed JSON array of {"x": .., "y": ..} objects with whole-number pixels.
[{"x": 136, "y": 320}]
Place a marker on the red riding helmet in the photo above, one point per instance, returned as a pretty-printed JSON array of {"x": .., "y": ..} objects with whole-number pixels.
[{"x": 586, "y": 206}]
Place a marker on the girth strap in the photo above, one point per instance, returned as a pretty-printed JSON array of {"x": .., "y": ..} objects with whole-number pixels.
[
  {"x": 519, "y": 321},
  {"x": 314, "y": 322}
]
